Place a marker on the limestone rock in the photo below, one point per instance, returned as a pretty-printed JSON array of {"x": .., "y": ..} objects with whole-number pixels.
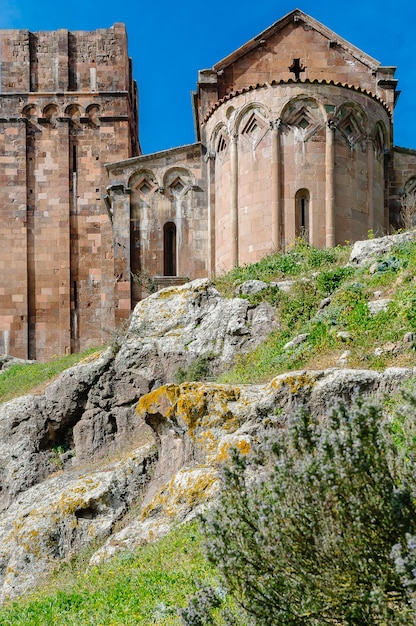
[
  {"x": 197, "y": 423},
  {"x": 364, "y": 252},
  {"x": 58, "y": 517},
  {"x": 251, "y": 286},
  {"x": 284, "y": 285},
  {"x": 343, "y": 359},
  {"x": 343, "y": 334},
  {"x": 378, "y": 306},
  {"x": 324, "y": 303},
  {"x": 88, "y": 412},
  {"x": 6, "y": 361},
  {"x": 295, "y": 341}
]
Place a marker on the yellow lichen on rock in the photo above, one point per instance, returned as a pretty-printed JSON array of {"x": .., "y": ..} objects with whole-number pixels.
[
  {"x": 242, "y": 445},
  {"x": 161, "y": 401},
  {"x": 201, "y": 405},
  {"x": 296, "y": 381},
  {"x": 186, "y": 490}
]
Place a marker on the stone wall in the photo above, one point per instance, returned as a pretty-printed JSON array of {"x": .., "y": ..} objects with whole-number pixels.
[
  {"x": 67, "y": 106},
  {"x": 293, "y": 160},
  {"x": 160, "y": 218},
  {"x": 402, "y": 180}
]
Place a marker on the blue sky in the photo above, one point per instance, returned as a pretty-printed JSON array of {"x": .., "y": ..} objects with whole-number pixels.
[{"x": 169, "y": 42}]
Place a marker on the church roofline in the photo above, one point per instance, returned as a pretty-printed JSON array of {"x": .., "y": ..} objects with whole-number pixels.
[
  {"x": 296, "y": 15},
  {"x": 152, "y": 155},
  {"x": 306, "y": 81},
  {"x": 404, "y": 150}
]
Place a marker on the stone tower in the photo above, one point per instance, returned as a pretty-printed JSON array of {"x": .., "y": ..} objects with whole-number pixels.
[
  {"x": 68, "y": 104},
  {"x": 294, "y": 137}
]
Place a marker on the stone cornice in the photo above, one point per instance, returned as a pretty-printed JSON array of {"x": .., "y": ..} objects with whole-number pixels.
[{"x": 291, "y": 81}]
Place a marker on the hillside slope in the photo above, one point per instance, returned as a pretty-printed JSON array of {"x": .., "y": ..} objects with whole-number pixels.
[{"x": 116, "y": 452}]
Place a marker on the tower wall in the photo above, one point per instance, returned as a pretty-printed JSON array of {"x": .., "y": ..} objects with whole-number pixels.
[{"x": 67, "y": 106}]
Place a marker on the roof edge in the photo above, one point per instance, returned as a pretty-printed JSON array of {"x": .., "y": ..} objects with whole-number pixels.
[{"x": 296, "y": 15}]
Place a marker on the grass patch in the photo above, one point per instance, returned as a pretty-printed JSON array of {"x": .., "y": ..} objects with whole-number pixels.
[
  {"x": 300, "y": 259},
  {"x": 20, "y": 379},
  {"x": 141, "y": 587},
  {"x": 374, "y": 341}
]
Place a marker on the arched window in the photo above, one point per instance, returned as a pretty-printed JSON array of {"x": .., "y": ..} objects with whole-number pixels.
[
  {"x": 169, "y": 249},
  {"x": 302, "y": 221}
]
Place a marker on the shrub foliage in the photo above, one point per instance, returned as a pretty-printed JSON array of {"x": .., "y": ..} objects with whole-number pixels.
[{"x": 317, "y": 527}]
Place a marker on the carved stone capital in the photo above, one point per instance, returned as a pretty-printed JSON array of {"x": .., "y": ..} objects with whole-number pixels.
[
  {"x": 118, "y": 189},
  {"x": 276, "y": 124}
]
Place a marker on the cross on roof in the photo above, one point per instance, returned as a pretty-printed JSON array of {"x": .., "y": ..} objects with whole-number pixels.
[{"x": 296, "y": 68}]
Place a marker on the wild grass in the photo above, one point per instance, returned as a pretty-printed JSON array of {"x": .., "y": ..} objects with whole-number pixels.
[
  {"x": 373, "y": 341},
  {"x": 146, "y": 586},
  {"x": 300, "y": 259},
  {"x": 20, "y": 379},
  {"x": 141, "y": 587}
]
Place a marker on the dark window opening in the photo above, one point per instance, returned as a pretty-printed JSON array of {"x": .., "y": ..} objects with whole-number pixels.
[
  {"x": 302, "y": 217},
  {"x": 74, "y": 159},
  {"x": 169, "y": 249}
]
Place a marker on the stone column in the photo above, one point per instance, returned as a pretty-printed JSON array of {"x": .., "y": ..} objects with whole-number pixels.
[
  {"x": 120, "y": 204},
  {"x": 234, "y": 199},
  {"x": 329, "y": 178},
  {"x": 370, "y": 184},
  {"x": 210, "y": 165},
  {"x": 276, "y": 182}
]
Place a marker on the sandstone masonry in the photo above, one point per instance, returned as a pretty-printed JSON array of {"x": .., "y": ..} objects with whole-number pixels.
[{"x": 294, "y": 138}]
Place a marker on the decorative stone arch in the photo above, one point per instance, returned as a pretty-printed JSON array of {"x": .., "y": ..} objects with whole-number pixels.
[
  {"x": 351, "y": 123},
  {"x": 252, "y": 123},
  {"x": 74, "y": 112},
  {"x": 379, "y": 137},
  {"x": 169, "y": 249},
  {"x": 220, "y": 139},
  {"x": 93, "y": 112},
  {"x": 50, "y": 113},
  {"x": 303, "y": 115},
  {"x": 143, "y": 182},
  {"x": 30, "y": 112},
  {"x": 302, "y": 214},
  {"x": 177, "y": 181}
]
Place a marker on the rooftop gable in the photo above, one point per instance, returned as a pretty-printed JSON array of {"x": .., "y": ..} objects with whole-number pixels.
[{"x": 297, "y": 16}]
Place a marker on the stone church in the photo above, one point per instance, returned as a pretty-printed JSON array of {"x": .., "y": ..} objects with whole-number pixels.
[{"x": 294, "y": 137}]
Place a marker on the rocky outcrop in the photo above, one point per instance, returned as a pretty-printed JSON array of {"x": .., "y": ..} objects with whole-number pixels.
[
  {"x": 88, "y": 412},
  {"x": 88, "y": 415},
  {"x": 116, "y": 432},
  {"x": 196, "y": 424},
  {"x": 364, "y": 252},
  {"x": 63, "y": 514}
]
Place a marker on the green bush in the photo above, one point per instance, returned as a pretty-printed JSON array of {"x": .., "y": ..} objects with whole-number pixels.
[
  {"x": 318, "y": 527},
  {"x": 328, "y": 281},
  {"x": 198, "y": 369}
]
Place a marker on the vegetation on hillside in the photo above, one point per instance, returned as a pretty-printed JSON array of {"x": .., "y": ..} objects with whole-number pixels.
[
  {"x": 343, "y": 323},
  {"x": 22, "y": 378},
  {"x": 141, "y": 587},
  {"x": 318, "y": 527},
  {"x": 330, "y": 530}
]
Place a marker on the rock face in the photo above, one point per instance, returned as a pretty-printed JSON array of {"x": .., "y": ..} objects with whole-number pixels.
[
  {"x": 364, "y": 252},
  {"x": 87, "y": 415},
  {"x": 116, "y": 432},
  {"x": 196, "y": 424}
]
